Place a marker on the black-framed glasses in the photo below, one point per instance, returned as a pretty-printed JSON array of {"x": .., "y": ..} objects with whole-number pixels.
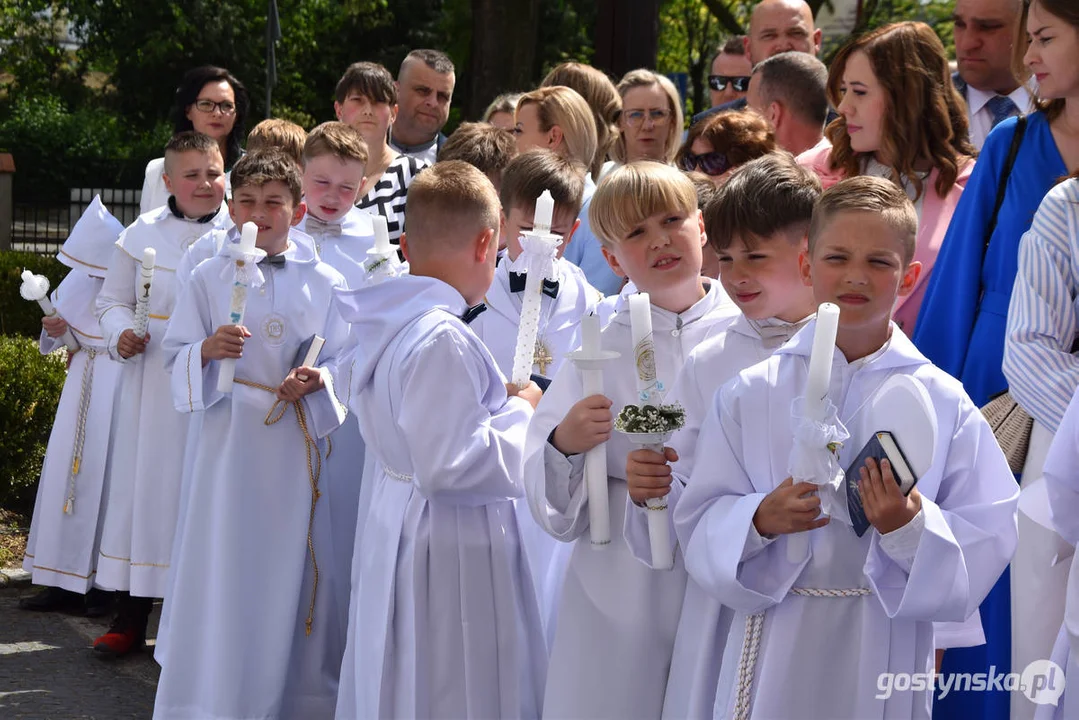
[
  {"x": 719, "y": 82},
  {"x": 710, "y": 163},
  {"x": 208, "y": 106}
]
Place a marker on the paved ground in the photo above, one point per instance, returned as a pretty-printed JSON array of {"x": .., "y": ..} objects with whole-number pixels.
[{"x": 49, "y": 672}]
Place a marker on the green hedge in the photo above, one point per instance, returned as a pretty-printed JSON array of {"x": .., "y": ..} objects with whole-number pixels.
[
  {"x": 30, "y": 387},
  {"x": 18, "y": 316}
]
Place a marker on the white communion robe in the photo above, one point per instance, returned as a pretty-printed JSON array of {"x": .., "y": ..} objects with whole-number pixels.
[
  {"x": 62, "y": 548},
  {"x": 812, "y": 656},
  {"x": 148, "y": 441},
  {"x": 558, "y": 334},
  {"x": 346, "y": 253},
  {"x": 1061, "y": 472},
  {"x": 244, "y": 579},
  {"x": 704, "y": 622},
  {"x": 444, "y": 620},
  {"x": 616, "y": 618}
]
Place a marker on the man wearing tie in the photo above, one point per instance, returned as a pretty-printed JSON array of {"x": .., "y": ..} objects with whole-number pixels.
[{"x": 984, "y": 33}]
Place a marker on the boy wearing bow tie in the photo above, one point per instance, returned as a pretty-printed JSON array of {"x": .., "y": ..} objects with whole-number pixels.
[{"x": 254, "y": 525}]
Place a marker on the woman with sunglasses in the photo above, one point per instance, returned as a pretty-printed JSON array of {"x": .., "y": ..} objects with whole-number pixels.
[
  {"x": 211, "y": 101},
  {"x": 723, "y": 141},
  {"x": 900, "y": 118}
]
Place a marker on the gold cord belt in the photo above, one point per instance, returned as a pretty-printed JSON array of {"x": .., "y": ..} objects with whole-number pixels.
[
  {"x": 80, "y": 426},
  {"x": 314, "y": 470}
]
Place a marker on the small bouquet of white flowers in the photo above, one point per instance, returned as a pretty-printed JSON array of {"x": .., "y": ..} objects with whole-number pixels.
[{"x": 650, "y": 419}]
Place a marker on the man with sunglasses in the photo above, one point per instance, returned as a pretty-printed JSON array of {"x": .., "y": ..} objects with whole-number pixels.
[
  {"x": 775, "y": 26},
  {"x": 730, "y": 72}
]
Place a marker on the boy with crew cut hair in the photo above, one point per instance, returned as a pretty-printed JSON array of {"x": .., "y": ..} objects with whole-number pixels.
[
  {"x": 445, "y": 622},
  {"x": 490, "y": 149},
  {"x": 646, "y": 217},
  {"x": 279, "y": 134},
  {"x": 255, "y": 526},
  {"x": 828, "y": 609},
  {"x": 147, "y": 447},
  {"x": 757, "y": 225}
]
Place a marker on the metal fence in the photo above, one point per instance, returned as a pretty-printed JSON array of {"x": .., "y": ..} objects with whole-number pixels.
[{"x": 42, "y": 228}]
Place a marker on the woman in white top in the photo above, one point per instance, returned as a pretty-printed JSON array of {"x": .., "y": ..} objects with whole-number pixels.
[
  {"x": 367, "y": 100},
  {"x": 213, "y": 102}
]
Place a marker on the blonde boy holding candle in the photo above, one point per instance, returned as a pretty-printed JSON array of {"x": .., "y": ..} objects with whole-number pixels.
[
  {"x": 822, "y": 620},
  {"x": 149, "y": 435},
  {"x": 255, "y": 524},
  {"x": 444, "y": 621},
  {"x": 757, "y": 226},
  {"x": 616, "y": 618}
]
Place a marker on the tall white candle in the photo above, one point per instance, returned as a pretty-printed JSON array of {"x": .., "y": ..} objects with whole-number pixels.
[
  {"x": 238, "y": 301},
  {"x": 142, "y": 302},
  {"x": 382, "y": 236},
  {"x": 544, "y": 215},
  {"x": 36, "y": 289},
  {"x": 539, "y": 248},
  {"x": 595, "y": 460},
  {"x": 820, "y": 361},
  {"x": 644, "y": 354}
]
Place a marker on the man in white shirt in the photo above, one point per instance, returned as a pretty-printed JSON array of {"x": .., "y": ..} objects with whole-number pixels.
[
  {"x": 424, "y": 88},
  {"x": 984, "y": 34}
]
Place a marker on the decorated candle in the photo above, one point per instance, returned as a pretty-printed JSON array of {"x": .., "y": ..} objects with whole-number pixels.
[
  {"x": 238, "y": 300},
  {"x": 36, "y": 288},
  {"x": 382, "y": 236},
  {"x": 539, "y": 249},
  {"x": 142, "y": 302}
]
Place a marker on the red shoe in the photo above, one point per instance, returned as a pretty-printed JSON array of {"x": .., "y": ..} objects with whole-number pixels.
[{"x": 122, "y": 638}]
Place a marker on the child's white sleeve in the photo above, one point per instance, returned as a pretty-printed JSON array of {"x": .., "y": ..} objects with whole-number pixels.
[
  {"x": 116, "y": 301},
  {"x": 968, "y": 536},
  {"x": 1062, "y": 474},
  {"x": 462, "y": 451},
  {"x": 554, "y": 483},
  {"x": 194, "y": 387},
  {"x": 326, "y": 408}
]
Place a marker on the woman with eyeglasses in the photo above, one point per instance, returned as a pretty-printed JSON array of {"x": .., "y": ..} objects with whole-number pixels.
[
  {"x": 213, "y": 102},
  {"x": 650, "y": 122},
  {"x": 900, "y": 118}
]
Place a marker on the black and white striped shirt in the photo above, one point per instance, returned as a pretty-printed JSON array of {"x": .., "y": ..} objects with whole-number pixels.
[{"x": 387, "y": 197}]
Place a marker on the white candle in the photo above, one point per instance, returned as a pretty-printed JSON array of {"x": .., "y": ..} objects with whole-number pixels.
[
  {"x": 237, "y": 302},
  {"x": 820, "y": 361},
  {"x": 382, "y": 236},
  {"x": 644, "y": 354},
  {"x": 544, "y": 214},
  {"x": 36, "y": 288},
  {"x": 595, "y": 460},
  {"x": 142, "y": 302}
]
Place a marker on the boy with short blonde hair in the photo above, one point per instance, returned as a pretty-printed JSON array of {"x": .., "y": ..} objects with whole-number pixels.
[
  {"x": 275, "y": 133},
  {"x": 646, "y": 216},
  {"x": 255, "y": 524},
  {"x": 444, "y": 620},
  {"x": 830, "y": 609}
]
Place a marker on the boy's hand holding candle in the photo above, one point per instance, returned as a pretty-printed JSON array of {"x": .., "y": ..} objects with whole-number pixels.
[{"x": 227, "y": 342}]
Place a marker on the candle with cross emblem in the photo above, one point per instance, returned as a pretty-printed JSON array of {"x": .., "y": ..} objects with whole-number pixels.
[
  {"x": 245, "y": 257},
  {"x": 539, "y": 248},
  {"x": 146, "y": 281}
]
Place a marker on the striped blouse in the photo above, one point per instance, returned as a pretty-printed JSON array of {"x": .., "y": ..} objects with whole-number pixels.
[
  {"x": 387, "y": 197},
  {"x": 1042, "y": 370}
]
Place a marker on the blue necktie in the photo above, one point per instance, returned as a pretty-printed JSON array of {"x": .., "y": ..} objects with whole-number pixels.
[{"x": 1001, "y": 108}]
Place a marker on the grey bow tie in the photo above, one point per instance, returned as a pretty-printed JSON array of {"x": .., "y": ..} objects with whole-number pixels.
[
  {"x": 321, "y": 227},
  {"x": 775, "y": 335},
  {"x": 278, "y": 259}
]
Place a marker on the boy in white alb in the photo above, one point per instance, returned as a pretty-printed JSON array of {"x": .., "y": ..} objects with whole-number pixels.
[
  {"x": 148, "y": 434},
  {"x": 61, "y": 551},
  {"x": 616, "y": 618},
  {"x": 444, "y": 621},
  {"x": 820, "y": 613},
  {"x": 253, "y": 526},
  {"x": 757, "y": 226}
]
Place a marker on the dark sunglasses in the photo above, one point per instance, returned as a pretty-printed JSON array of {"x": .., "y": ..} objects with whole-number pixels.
[
  {"x": 719, "y": 82},
  {"x": 711, "y": 163}
]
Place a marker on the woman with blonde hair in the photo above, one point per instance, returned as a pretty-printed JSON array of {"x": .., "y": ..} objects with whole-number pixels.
[
  {"x": 500, "y": 112},
  {"x": 603, "y": 99},
  {"x": 650, "y": 122},
  {"x": 556, "y": 118},
  {"x": 900, "y": 118}
]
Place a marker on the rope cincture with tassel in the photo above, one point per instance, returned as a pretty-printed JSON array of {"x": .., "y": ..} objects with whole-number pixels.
[
  {"x": 80, "y": 427},
  {"x": 314, "y": 470}
]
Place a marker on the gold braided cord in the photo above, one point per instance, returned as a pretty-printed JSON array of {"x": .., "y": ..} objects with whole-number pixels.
[
  {"x": 314, "y": 470},
  {"x": 80, "y": 427}
]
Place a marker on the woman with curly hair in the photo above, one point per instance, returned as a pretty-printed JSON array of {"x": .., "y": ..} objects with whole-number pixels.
[
  {"x": 722, "y": 142},
  {"x": 900, "y": 118}
]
